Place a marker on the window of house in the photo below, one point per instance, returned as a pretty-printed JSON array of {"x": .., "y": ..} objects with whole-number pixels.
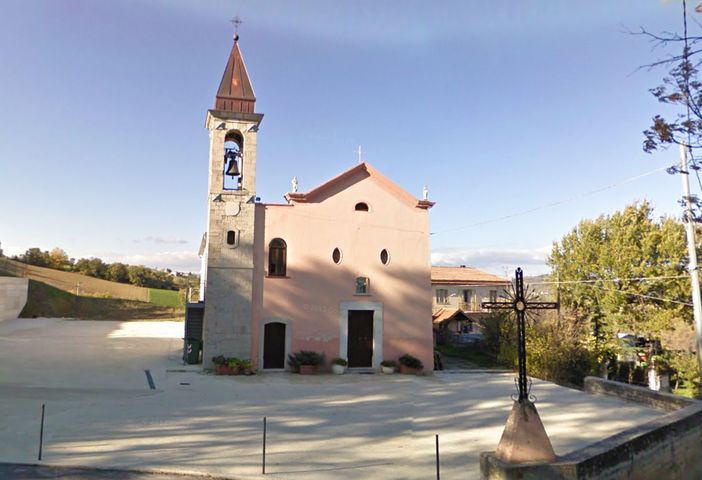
[
  {"x": 362, "y": 285},
  {"x": 441, "y": 295},
  {"x": 493, "y": 295},
  {"x": 468, "y": 296},
  {"x": 384, "y": 257},
  {"x": 336, "y": 256},
  {"x": 277, "y": 253},
  {"x": 361, "y": 207}
]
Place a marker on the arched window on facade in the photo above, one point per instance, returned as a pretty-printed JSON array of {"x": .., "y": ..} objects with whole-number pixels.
[
  {"x": 277, "y": 258},
  {"x": 361, "y": 207}
]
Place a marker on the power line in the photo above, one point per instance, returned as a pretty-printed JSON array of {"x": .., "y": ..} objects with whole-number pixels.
[
  {"x": 635, "y": 279},
  {"x": 641, "y": 295},
  {"x": 552, "y": 204}
]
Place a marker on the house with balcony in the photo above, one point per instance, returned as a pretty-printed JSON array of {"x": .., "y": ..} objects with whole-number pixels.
[{"x": 458, "y": 293}]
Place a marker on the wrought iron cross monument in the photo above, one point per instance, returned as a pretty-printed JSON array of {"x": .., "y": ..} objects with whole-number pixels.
[{"x": 520, "y": 305}]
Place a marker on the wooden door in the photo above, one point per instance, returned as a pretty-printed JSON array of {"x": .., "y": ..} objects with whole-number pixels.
[
  {"x": 274, "y": 345},
  {"x": 360, "y": 338}
]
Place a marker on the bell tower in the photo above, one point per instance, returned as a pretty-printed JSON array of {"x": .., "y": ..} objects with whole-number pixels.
[{"x": 232, "y": 126}]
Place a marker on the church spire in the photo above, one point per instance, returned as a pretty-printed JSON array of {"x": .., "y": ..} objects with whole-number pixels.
[{"x": 235, "y": 93}]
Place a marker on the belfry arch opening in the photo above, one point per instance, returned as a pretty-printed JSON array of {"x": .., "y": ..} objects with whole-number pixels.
[{"x": 233, "y": 164}]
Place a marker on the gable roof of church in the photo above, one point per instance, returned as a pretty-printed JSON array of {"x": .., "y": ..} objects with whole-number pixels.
[
  {"x": 354, "y": 175},
  {"x": 235, "y": 93}
]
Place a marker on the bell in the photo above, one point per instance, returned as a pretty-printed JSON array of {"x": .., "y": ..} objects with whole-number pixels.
[{"x": 232, "y": 168}]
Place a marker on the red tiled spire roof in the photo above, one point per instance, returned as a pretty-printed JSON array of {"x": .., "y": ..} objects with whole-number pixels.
[{"x": 235, "y": 93}]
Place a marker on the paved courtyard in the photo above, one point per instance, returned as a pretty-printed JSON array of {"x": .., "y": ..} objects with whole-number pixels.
[{"x": 101, "y": 411}]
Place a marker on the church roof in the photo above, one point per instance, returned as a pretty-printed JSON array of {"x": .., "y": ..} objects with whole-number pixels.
[
  {"x": 464, "y": 276},
  {"x": 351, "y": 176},
  {"x": 235, "y": 93}
]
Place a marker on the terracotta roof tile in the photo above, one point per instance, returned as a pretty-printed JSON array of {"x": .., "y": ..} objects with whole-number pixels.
[{"x": 464, "y": 276}]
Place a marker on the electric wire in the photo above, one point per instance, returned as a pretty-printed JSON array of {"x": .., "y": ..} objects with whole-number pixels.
[
  {"x": 551, "y": 204},
  {"x": 640, "y": 295},
  {"x": 614, "y": 280}
]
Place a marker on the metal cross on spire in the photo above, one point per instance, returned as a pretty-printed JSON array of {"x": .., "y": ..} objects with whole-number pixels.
[
  {"x": 520, "y": 305},
  {"x": 236, "y": 21},
  {"x": 359, "y": 151}
]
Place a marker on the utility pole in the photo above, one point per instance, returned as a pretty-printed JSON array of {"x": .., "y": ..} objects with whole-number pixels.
[{"x": 688, "y": 220}]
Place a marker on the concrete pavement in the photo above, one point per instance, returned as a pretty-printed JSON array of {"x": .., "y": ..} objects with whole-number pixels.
[{"x": 101, "y": 412}]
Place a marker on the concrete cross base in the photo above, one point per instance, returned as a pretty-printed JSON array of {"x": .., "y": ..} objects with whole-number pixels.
[{"x": 524, "y": 439}]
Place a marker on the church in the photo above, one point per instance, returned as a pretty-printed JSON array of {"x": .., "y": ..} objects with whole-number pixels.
[{"x": 343, "y": 269}]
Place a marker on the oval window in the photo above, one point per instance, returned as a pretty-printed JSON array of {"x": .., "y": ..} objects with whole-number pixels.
[
  {"x": 384, "y": 257},
  {"x": 361, "y": 207},
  {"x": 336, "y": 255}
]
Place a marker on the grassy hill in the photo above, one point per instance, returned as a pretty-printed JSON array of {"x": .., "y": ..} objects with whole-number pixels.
[{"x": 47, "y": 301}]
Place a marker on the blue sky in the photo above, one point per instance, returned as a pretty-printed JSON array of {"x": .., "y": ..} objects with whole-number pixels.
[{"x": 499, "y": 107}]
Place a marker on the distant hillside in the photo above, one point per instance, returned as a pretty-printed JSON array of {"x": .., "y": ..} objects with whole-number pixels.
[
  {"x": 85, "y": 286},
  {"x": 47, "y": 301}
]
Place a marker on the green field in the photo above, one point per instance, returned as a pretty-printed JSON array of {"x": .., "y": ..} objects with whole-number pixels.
[
  {"x": 165, "y": 298},
  {"x": 46, "y": 301}
]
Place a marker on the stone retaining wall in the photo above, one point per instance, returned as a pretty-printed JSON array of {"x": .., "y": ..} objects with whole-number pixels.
[
  {"x": 667, "y": 447},
  {"x": 13, "y": 296}
]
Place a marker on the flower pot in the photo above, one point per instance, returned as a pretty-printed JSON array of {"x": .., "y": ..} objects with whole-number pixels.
[
  {"x": 308, "y": 369},
  {"x": 338, "y": 369},
  {"x": 409, "y": 370},
  {"x": 247, "y": 371},
  {"x": 224, "y": 370},
  {"x": 387, "y": 370}
]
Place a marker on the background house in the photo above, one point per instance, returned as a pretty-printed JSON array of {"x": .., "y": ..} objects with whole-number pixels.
[{"x": 457, "y": 294}]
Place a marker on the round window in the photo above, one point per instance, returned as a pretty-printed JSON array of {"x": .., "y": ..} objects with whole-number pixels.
[
  {"x": 384, "y": 257},
  {"x": 336, "y": 255}
]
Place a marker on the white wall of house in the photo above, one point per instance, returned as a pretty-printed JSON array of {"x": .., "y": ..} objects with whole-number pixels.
[{"x": 452, "y": 296}]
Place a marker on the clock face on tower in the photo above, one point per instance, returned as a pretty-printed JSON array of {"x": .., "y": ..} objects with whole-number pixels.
[{"x": 520, "y": 306}]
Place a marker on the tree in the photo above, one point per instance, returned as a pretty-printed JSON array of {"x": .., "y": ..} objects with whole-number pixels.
[
  {"x": 624, "y": 273},
  {"x": 35, "y": 256},
  {"x": 58, "y": 258},
  {"x": 117, "y": 272},
  {"x": 93, "y": 267}
]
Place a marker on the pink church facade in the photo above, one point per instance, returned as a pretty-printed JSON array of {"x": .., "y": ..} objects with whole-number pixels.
[
  {"x": 343, "y": 269},
  {"x": 357, "y": 279}
]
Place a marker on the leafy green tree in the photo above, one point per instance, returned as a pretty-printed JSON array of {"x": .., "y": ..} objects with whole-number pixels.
[
  {"x": 93, "y": 267},
  {"x": 117, "y": 272},
  {"x": 35, "y": 256},
  {"x": 604, "y": 265}
]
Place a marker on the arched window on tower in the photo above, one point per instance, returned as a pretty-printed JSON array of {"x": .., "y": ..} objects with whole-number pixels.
[
  {"x": 233, "y": 164},
  {"x": 277, "y": 258}
]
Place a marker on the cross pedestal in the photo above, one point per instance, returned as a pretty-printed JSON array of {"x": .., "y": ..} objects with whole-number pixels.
[{"x": 524, "y": 439}]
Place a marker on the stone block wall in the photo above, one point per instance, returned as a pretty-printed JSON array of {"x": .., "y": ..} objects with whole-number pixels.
[{"x": 13, "y": 296}]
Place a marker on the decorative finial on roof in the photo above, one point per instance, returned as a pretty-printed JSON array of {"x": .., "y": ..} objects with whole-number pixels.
[
  {"x": 294, "y": 184},
  {"x": 236, "y": 21},
  {"x": 425, "y": 193}
]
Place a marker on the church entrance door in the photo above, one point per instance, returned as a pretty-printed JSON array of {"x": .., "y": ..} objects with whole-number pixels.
[
  {"x": 274, "y": 345},
  {"x": 360, "y": 338}
]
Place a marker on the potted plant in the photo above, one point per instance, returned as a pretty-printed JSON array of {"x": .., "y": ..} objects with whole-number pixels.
[
  {"x": 235, "y": 365},
  {"x": 305, "y": 362},
  {"x": 388, "y": 366},
  {"x": 246, "y": 367},
  {"x": 410, "y": 365},
  {"x": 338, "y": 365},
  {"x": 221, "y": 365}
]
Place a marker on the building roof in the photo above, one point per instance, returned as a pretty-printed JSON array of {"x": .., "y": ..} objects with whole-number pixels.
[
  {"x": 445, "y": 314},
  {"x": 235, "y": 93},
  {"x": 464, "y": 276},
  {"x": 351, "y": 176}
]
